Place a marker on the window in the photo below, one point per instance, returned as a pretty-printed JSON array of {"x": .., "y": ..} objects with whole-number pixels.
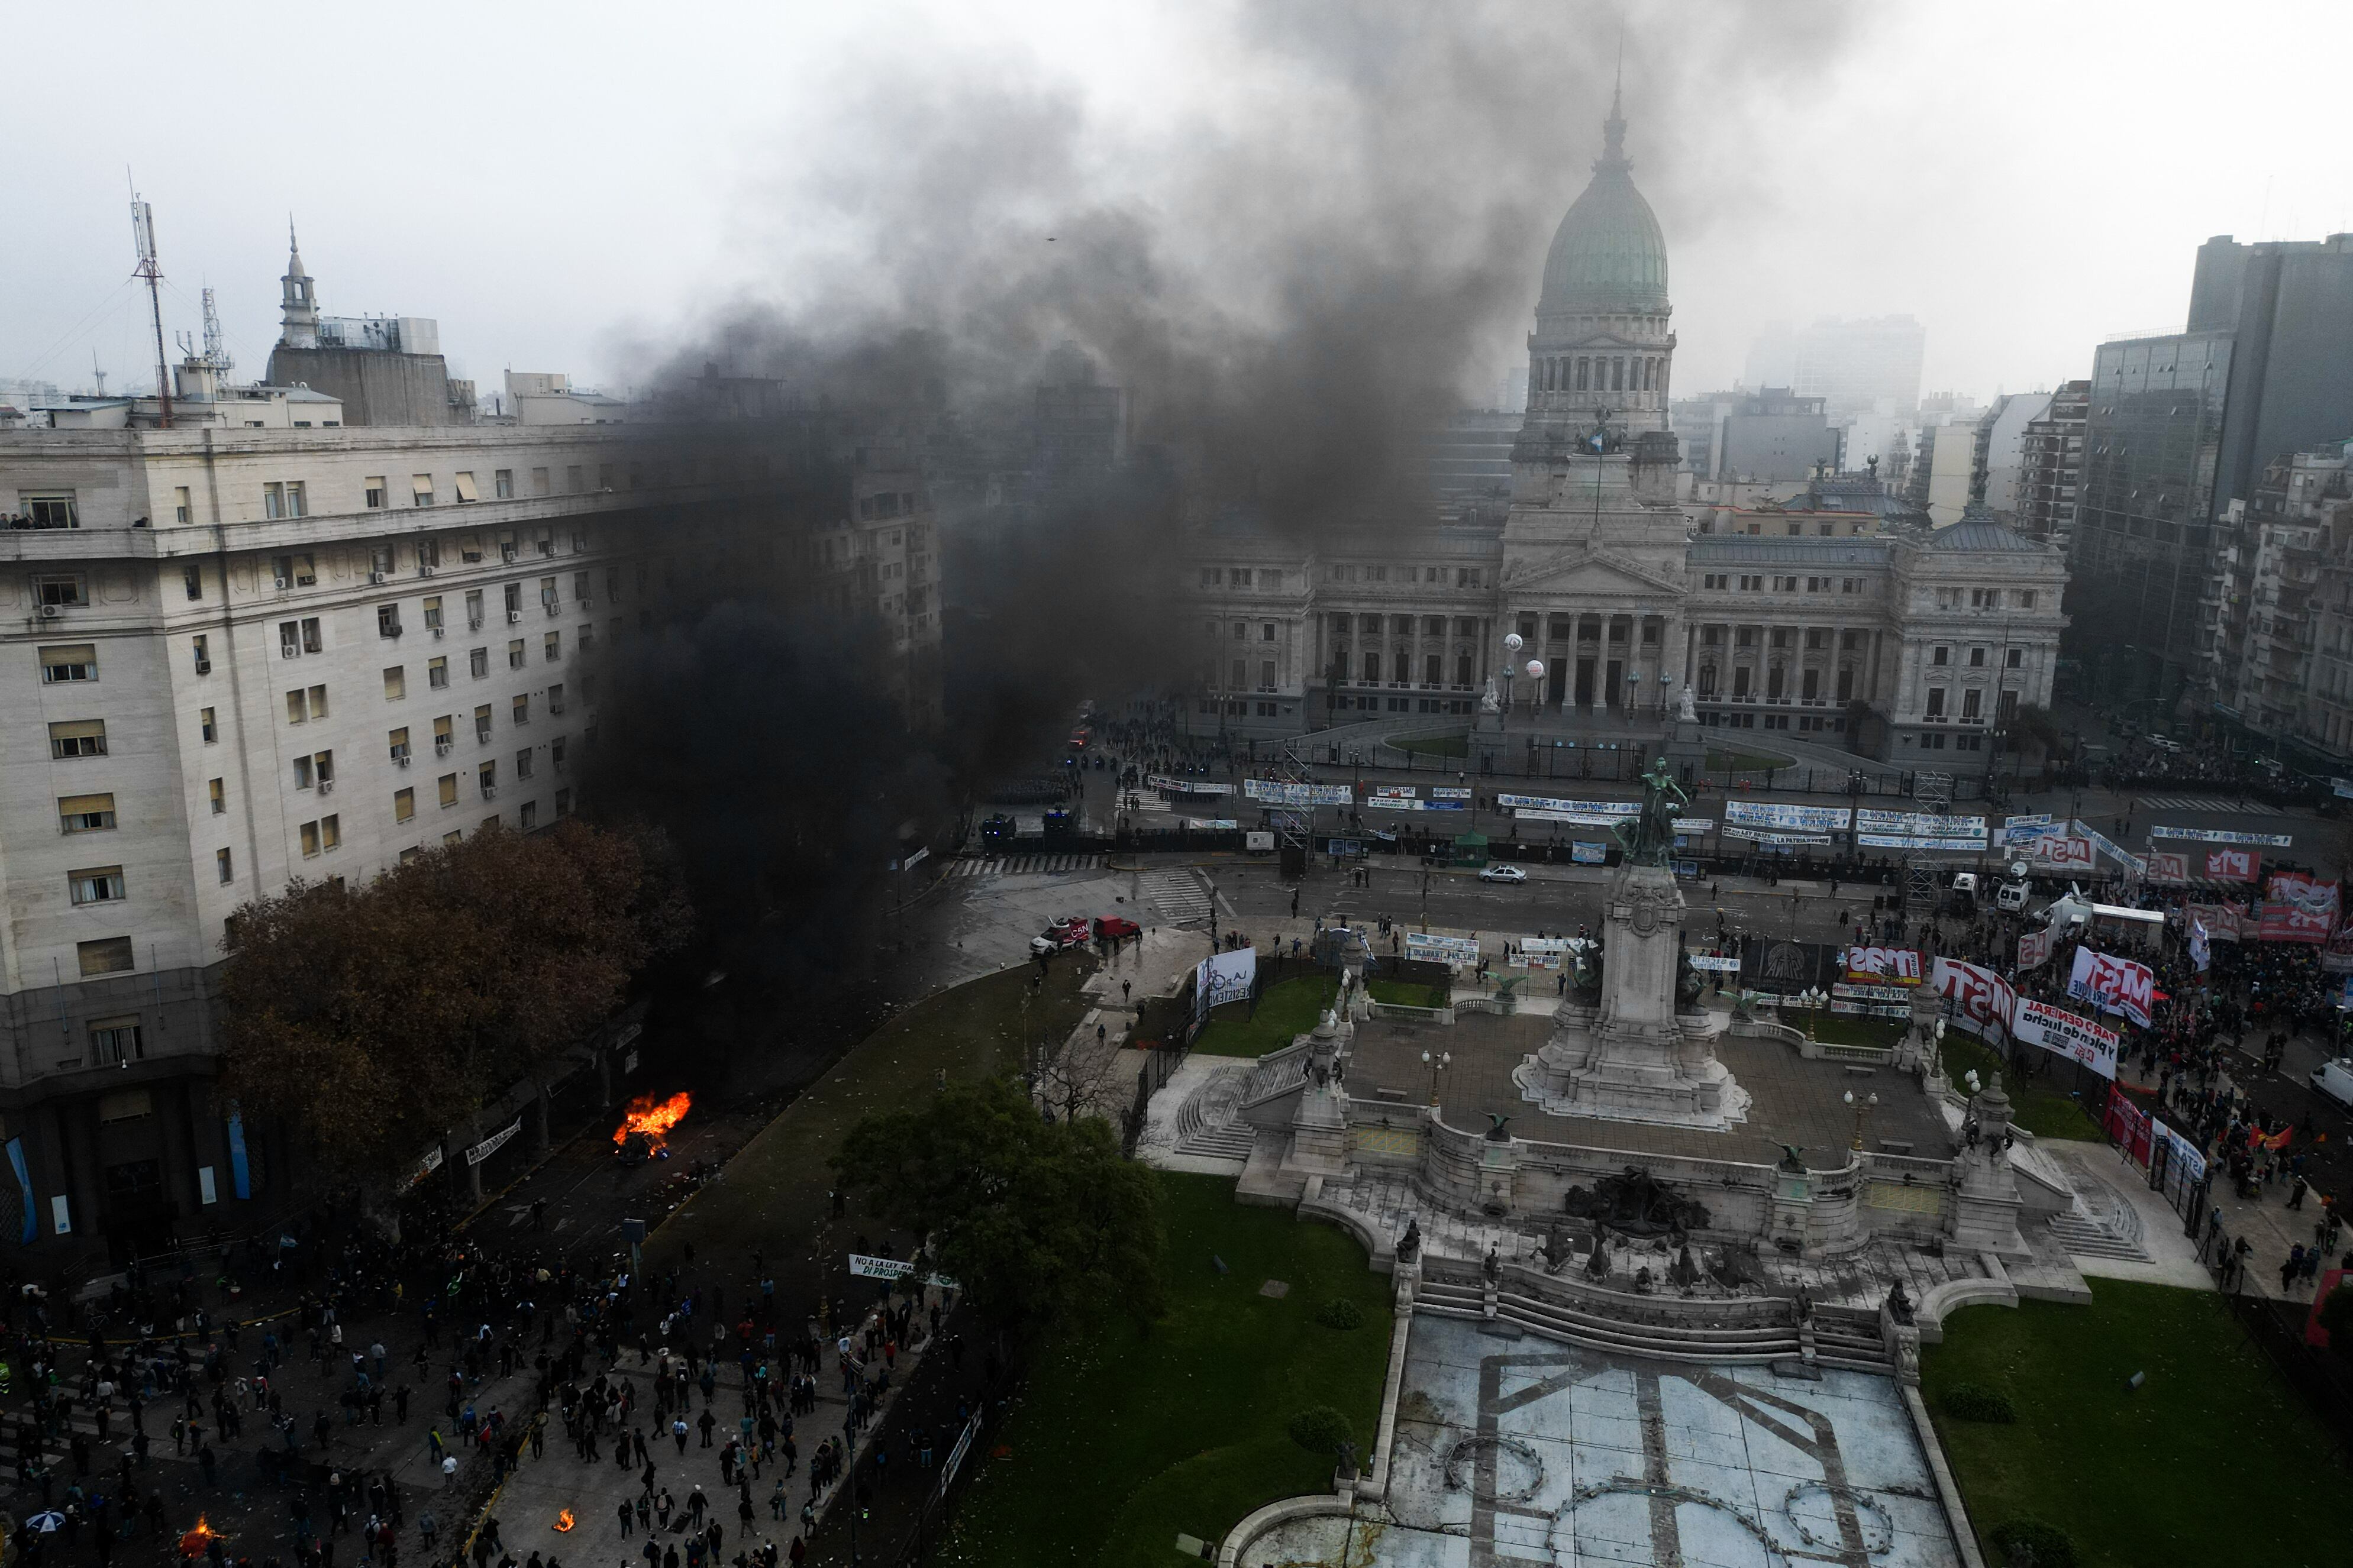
[
  {"x": 474, "y": 610},
  {"x": 442, "y": 737},
  {"x": 85, "y": 812},
  {"x": 1743, "y": 637},
  {"x": 552, "y": 644},
  {"x": 486, "y": 778},
  {"x": 282, "y": 500},
  {"x": 114, "y": 1040},
  {"x": 421, "y": 488},
  {"x": 59, "y": 590},
  {"x": 387, "y": 620},
  {"x": 528, "y": 817},
  {"x": 397, "y": 742},
  {"x": 111, "y": 956},
  {"x": 1972, "y": 701},
  {"x": 588, "y": 639},
  {"x": 574, "y": 481},
  {"x": 539, "y": 481},
  {"x": 555, "y": 693},
  {"x": 1935, "y": 702},
  {"x": 302, "y": 772},
  {"x": 513, "y": 599},
  {"x": 206, "y": 727},
  {"x": 1940, "y": 655},
  {"x": 502, "y": 484},
  {"x": 98, "y": 885},
  {"x": 1781, "y": 637},
  {"x": 478, "y": 663},
  {"x": 217, "y": 790},
  {"x": 1977, "y": 659},
  {"x": 200, "y": 650},
  {"x": 2026, "y": 599},
  {"x": 395, "y": 682},
  {"x": 562, "y": 804},
  {"x": 376, "y": 491},
  {"x": 63, "y": 662},
  {"x": 182, "y": 511},
  {"x": 433, "y": 615},
  {"x": 1740, "y": 675},
  {"x": 523, "y": 763},
  {"x": 436, "y": 673},
  {"x": 78, "y": 738},
  {"x": 523, "y": 707},
  {"x": 310, "y": 835},
  {"x": 2015, "y": 658},
  {"x": 404, "y": 805},
  {"x": 464, "y": 485},
  {"x": 1810, "y": 685},
  {"x": 482, "y": 723},
  {"x": 52, "y": 508},
  {"x": 454, "y": 837},
  {"x": 516, "y": 654}
]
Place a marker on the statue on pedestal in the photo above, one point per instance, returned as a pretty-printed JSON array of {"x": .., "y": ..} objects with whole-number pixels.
[
  {"x": 1652, "y": 841},
  {"x": 1685, "y": 709}
]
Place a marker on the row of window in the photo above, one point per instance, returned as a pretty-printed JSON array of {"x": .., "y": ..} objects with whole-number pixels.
[
  {"x": 1986, "y": 598},
  {"x": 1589, "y": 628},
  {"x": 304, "y": 703},
  {"x": 1464, "y": 576},
  {"x": 1755, "y": 583},
  {"x": 1810, "y": 683},
  {"x": 1401, "y": 625},
  {"x": 1599, "y": 372},
  {"x": 1817, "y": 637},
  {"x": 1400, "y": 668}
]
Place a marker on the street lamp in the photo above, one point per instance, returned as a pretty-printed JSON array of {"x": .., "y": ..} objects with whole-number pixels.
[
  {"x": 1813, "y": 997},
  {"x": 1862, "y": 1107},
  {"x": 1437, "y": 1064}
]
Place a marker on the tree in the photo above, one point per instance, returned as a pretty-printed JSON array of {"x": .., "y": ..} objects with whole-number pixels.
[
  {"x": 1040, "y": 1225},
  {"x": 373, "y": 1018}
]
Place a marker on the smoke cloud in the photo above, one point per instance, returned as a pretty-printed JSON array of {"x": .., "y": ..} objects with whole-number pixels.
[{"x": 1294, "y": 280}]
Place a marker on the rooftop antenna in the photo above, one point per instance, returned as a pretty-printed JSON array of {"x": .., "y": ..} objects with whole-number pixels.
[
  {"x": 142, "y": 235},
  {"x": 98, "y": 373},
  {"x": 216, "y": 348}
]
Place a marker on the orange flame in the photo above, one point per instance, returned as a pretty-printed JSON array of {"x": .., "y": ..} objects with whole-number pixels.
[
  {"x": 564, "y": 1518},
  {"x": 652, "y": 1117},
  {"x": 192, "y": 1543}
]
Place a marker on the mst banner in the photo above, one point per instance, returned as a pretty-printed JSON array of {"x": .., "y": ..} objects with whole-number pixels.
[
  {"x": 1884, "y": 966},
  {"x": 2113, "y": 985},
  {"x": 2297, "y": 908},
  {"x": 1982, "y": 1000}
]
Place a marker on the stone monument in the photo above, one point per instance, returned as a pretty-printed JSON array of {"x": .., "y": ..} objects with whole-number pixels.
[{"x": 1640, "y": 1053}]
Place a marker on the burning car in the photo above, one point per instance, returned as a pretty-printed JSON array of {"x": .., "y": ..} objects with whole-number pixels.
[{"x": 646, "y": 1124}]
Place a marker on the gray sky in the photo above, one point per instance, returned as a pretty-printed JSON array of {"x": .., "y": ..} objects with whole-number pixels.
[{"x": 579, "y": 187}]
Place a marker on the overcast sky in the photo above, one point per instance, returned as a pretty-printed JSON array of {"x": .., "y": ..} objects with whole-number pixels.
[{"x": 579, "y": 187}]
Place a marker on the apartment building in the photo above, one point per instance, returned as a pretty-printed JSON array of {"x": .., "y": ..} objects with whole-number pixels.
[{"x": 242, "y": 656}]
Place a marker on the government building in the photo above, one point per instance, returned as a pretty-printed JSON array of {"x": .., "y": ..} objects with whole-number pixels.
[{"x": 1820, "y": 617}]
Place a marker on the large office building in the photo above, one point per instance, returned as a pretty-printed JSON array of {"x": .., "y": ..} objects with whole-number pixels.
[
  {"x": 1816, "y": 618},
  {"x": 247, "y": 651}
]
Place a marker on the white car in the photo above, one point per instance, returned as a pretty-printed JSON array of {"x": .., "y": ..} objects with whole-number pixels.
[
  {"x": 1502, "y": 874},
  {"x": 2334, "y": 1080}
]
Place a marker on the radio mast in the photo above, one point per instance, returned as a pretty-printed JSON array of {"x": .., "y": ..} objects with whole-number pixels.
[{"x": 142, "y": 235}]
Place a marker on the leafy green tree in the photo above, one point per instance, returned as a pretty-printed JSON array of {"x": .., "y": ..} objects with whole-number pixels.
[{"x": 1040, "y": 1225}]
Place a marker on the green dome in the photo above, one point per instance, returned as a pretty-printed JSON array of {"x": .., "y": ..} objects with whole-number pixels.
[{"x": 1607, "y": 256}]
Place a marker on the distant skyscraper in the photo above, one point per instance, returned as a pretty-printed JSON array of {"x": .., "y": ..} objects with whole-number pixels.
[
  {"x": 2182, "y": 424},
  {"x": 2051, "y": 465},
  {"x": 1853, "y": 366}
]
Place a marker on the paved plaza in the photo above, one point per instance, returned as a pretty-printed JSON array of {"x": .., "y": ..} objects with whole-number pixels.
[{"x": 1516, "y": 1449}]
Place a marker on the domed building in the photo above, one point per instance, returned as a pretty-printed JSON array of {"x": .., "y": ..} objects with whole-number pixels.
[
  {"x": 1812, "y": 618},
  {"x": 1603, "y": 342}
]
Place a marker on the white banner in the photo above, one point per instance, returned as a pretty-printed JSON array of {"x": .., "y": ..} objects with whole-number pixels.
[
  {"x": 2059, "y": 852},
  {"x": 2201, "y": 945},
  {"x": 2019, "y": 829},
  {"x": 1225, "y": 976},
  {"x": 2035, "y": 948},
  {"x": 1186, "y": 786},
  {"x": 1894, "y": 841},
  {"x": 1687, "y": 826},
  {"x": 1449, "y": 792},
  {"x": 1707, "y": 963},
  {"x": 1759, "y": 836},
  {"x": 1278, "y": 793},
  {"x": 1770, "y": 813},
  {"x": 1589, "y": 807},
  {"x": 865, "y": 1266},
  {"x": 1920, "y": 824},
  {"x": 2108, "y": 847},
  {"x": 1575, "y": 819},
  {"x": 1870, "y": 992},
  {"x": 2217, "y": 836},
  {"x": 1442, "y": 949},
  {"x": 2061, "y": 1033},
  {"x": 493, "y": 1143},
  {"x": 1983, "y": 1001},
  {"x": 2113, "y": 984}
]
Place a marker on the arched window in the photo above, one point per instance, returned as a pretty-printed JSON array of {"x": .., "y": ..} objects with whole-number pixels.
[
  {"x": 1372, "y": 668},
  {"x": 1707, "y": 681}
]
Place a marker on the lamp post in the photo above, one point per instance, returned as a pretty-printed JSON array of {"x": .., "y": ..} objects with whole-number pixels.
[
  {"x": 1862, "y": 1107},
  {"x": 1813, "y": 997},
  {"x": 1436, "y": 1062}
]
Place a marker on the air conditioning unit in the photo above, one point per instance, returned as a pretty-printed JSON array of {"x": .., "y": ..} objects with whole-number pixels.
[
  {"x": 513, "y": 616},
  {"x": 506, "y": 552},
  {"x": 438, "y": 632},
  {"x": 283, "y": 583},
  {"x": 402, "y": 759},
  {"x": 204, "y": 667},
  {"x": 552, "y": 607},
  {"x": 326, "y": 786},
  {"x": 51, "y": 611},
  {"x": 490, "y": 792},
  {"x": 441, "y": 747},
  {"x": 425, "y": 571},
  {"x": 474, "y": 623},
  {"x": 587, "y": 604},
  {"x": 287, "y": 650},
  {"x": 375, "y": 577}
]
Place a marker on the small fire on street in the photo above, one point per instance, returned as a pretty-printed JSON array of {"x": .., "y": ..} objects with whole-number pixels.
[
  {"x": 564, "y": 1520},
  {"x": 192, "y": 1543},
  {"x": 649, "y": 1121}
]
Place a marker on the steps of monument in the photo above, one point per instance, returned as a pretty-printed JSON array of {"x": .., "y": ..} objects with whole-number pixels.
[
  {"x": 2083, "y": 1238},
  {"x": 1234, "y": 1140}
]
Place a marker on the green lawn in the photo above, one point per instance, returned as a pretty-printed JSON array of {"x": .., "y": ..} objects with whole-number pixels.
[
  {"x": 2042, "y": 1110},
  {"x": 776, "y": 1186},
  {"x": 2213, "y": 1461},
  {"x": 1844, "y": 1029},
  {"x": 1406, "y": 992},
  {"x": 1118, "y": 1442},
  {"x": 1435, "y": 745},
  {"x": 1286, "y": 1008}
]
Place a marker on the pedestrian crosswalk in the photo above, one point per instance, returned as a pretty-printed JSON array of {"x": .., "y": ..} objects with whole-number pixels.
[
  {"x": 1025, "y": 865},
  {"x": 1176, "y": 896},
  {"x": 2219, "y": 805}
]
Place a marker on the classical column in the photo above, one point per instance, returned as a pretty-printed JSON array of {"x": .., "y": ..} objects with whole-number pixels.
[{"x": 1674, "y": 659}]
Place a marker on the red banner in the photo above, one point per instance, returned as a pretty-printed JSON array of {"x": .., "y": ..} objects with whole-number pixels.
[
  {"x": 1983, "y": 1000},
  {"x": 2231, "y": 864},
  {"x": 2298, "y": 908},
  {"x": 1882, "y": 967},
  {"x": 2128, "y": 1124},
  {"x": 2035, "y": 948},
  {"x": 2168, "y": 866},
  {"x": 2224, "y": 923},
  {"x": 2113, "y": 985}
]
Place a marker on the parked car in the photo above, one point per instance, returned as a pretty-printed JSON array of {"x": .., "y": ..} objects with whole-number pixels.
[
  {"x": 1502, "y": 874},
  {"x": 1113, "y": 928},
  {"x": 2334, "y": 1080}
]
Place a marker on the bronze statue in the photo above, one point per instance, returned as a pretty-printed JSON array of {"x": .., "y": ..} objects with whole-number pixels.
[{"x": 1653, "y": 839}]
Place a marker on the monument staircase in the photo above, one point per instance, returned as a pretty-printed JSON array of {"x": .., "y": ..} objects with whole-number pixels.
[{"x": 1752, "y": 1329}]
